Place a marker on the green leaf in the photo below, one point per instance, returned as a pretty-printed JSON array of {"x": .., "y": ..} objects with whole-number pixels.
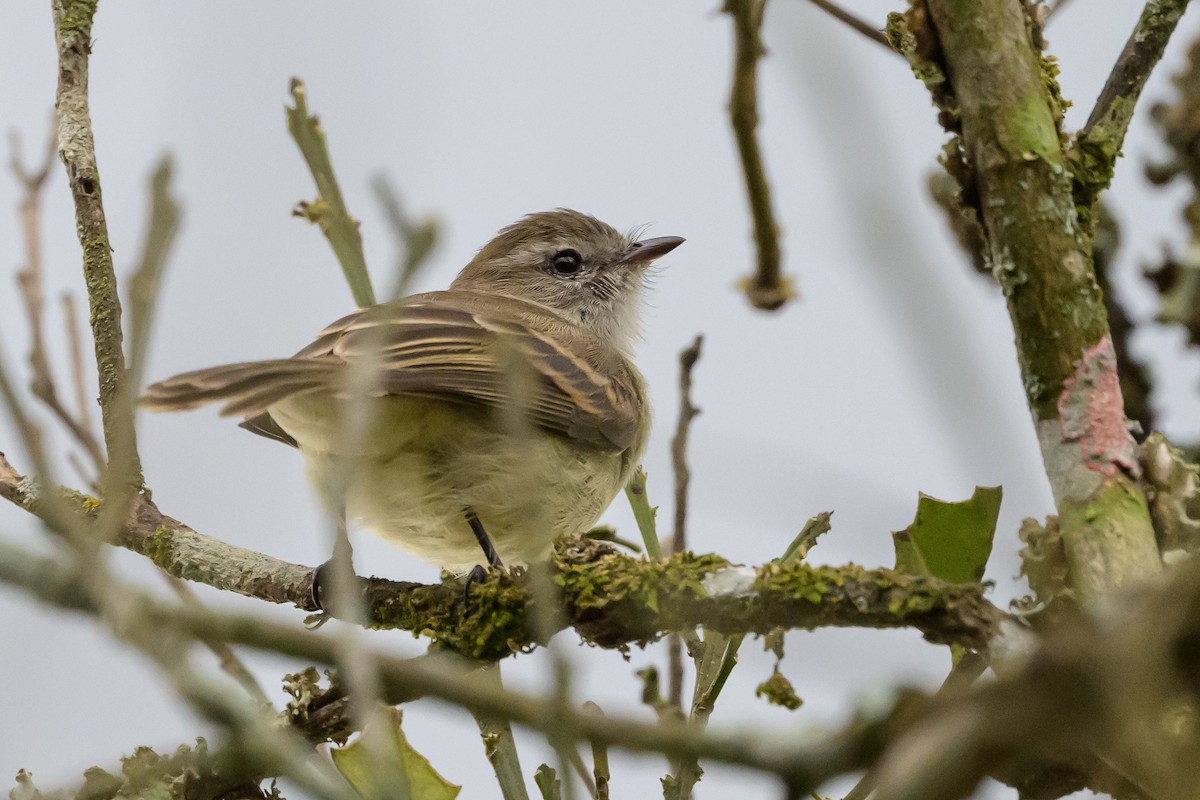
[
  {"x": 951, "y": 541},
  {"x": 356, "y": 762}
]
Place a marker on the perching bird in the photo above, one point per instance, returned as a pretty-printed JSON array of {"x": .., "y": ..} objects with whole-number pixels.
[{"x": 542, "y": 322}]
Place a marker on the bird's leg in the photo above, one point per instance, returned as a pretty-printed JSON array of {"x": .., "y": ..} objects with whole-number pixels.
[
  {"x": 478, "y": 573},
  {"x": 323, "y": 577}
]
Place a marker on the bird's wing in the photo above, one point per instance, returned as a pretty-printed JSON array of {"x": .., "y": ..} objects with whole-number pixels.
[{"x": 466, "y": 348}]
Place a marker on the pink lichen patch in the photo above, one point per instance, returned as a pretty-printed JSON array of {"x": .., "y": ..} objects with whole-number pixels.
[{"x": 1092, "y": 412}]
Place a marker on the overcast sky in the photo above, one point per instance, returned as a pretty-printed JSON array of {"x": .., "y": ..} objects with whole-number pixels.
[{"x": 894, "y": 374}]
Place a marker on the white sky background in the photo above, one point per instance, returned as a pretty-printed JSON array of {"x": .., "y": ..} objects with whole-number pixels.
[{"x": 895, "y": 374}]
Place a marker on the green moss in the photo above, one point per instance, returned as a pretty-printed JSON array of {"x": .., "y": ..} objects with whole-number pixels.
[
  {"x": 77, "y": 19},
  {"x": 159, "y": 547},
  {"x": 778, "y": 691}
]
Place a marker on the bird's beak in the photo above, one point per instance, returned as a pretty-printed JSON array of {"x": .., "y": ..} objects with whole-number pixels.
[{"x": 650, "y": 249}]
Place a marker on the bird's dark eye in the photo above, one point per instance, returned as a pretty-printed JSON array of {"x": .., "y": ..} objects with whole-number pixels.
[{"x": 566, "y": 262}]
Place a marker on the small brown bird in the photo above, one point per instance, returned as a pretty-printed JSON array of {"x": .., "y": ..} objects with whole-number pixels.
[{"x": 546, "y": 312}]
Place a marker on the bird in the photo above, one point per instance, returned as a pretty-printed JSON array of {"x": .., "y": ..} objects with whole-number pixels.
[{"x": 500, "y": 414}]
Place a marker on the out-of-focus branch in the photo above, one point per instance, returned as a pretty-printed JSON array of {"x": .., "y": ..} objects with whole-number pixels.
[
  {"x": 416, "y": 239},
  {"x": 1135, "y": 380},
  {"x": 76, "y": 147},
  {"x": 767, "y": 288},
  {"x": 328, "y": 211},
  {"x": 42, "y": 382},
  {"x": 803, "y": 762},
  {"x": 854, "y": 22},
  {"x": 161, "y": 229},
  {"x": 610, "y": 599},
  {"x": 1066, "y": 693}
]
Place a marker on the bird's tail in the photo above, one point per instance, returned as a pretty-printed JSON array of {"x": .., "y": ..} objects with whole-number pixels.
[{"x": 244, "y": 389}]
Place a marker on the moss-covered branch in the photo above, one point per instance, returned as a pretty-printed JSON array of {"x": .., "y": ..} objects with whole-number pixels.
[
  {"x": 73, "y": 29},
  {"x": 997, "y": 93},
  {"x": 612, "y": 600},
  {"x": 1098, "y": 145}
]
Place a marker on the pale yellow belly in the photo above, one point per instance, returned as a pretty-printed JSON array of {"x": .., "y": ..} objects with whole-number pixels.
[{"x": 423, "y": 462}]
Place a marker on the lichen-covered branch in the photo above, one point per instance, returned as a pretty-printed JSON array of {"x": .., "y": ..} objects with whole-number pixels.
[
  {"x": 610, "y": 599},
  {"x": 767, "y": 288},
  {"x": 997, "y": 92},
  {"x": 1066, "y": 697},
  {"x": 1098, "y": 144},
  {"x": 76, "y": 147}
]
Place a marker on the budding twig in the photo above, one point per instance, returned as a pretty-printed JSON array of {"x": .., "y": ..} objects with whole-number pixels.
[{"x": 328, "y": 211}]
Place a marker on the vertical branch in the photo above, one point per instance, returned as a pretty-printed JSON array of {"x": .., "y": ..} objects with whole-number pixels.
[
  {"x": 76, "y": 147},
  {"x": 75, "y": 342},
  {"x": 328, "y": 211},
  {"x": 161, "y": 229},
  {"x": 1040, "y": 250},
  {"x": 42, "y": 383},
  {"x": 679, "y": 443},
  {"x": 416, "y": 238},
  {"x": 683, "y": 476},
  {"x": 766, "y": 288}
]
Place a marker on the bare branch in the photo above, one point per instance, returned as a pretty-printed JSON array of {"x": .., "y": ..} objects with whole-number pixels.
[
  {"x": 687, "y": 412},
  {"x": 856, "y": 23},
  {"x": 161, "y": 229},
  {"x": 766, "y": 288},
  {"x": 416, "y": 238},
  {"x": 42, "y": 383},
  {"x": 75, "y": 342}
]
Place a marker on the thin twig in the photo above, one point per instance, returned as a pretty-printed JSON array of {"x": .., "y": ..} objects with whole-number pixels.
[
  {"x": 679, "y": 443},
  {"x": 599, "y": 757},
  {"x": 1055, "y": 8},
  {"x": 73, "y": 31},
  {"x": 42, "y": 383},
  {"x": 415, "y": 239},
  {"x": 766, "y": 288},
  {"x": 161, "y": 228},
  {"x": 857, "y": 23},
  {"x": 1105, "y": 129},
  {"x": 499, "y": 744},
  {"x": 228, "y": 660},
  {"x": 643, "y": 513},
  {"x": 328, "y": 211},
  {"x": 683, "y": 476},
  {"x": 75, "y": 342}
]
